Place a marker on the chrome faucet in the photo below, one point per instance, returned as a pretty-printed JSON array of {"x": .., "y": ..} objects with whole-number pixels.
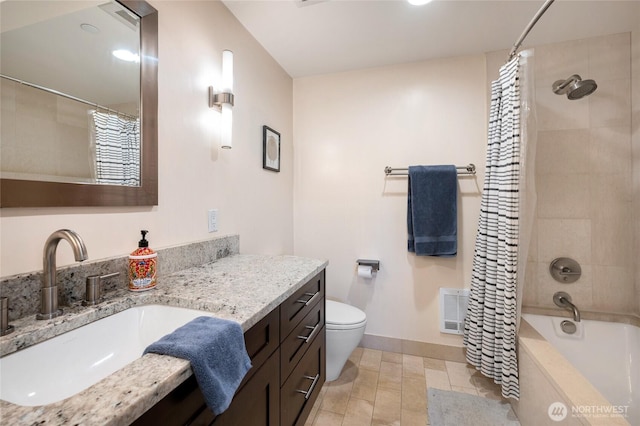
[
  {"x": 563, "y": 300},
  {"x": 49, "y": 308}
]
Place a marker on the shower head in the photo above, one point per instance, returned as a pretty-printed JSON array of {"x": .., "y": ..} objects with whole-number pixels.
[{"x": 574, "y": 87}]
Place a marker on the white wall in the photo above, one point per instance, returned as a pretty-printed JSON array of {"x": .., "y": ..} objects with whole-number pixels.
[
  {"x": 194, "y": 174},
  {"x": 347, "y": 128}
]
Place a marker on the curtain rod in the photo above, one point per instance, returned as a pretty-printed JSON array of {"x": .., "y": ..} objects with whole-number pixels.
[
  {"x": 526, "y": 31},
  {"x": 469, "y": 169},
  {"x": 73, "y": 98}
]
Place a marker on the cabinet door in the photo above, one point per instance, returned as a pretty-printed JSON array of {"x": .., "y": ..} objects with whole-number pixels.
[
  {"x": 177, "y": 408},
  {"x": 258, "y": 402},
  {"x": 261, "y": 340},
  {"x": 185, "y": 405}
]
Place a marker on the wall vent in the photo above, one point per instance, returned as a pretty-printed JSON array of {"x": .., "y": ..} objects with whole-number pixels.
[
  {"x": 121, "y": 15},
  {"x": 453, "y": 308}
]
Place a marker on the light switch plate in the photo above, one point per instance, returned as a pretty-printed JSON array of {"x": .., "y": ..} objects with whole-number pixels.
[{"x": 213, "y": 220}]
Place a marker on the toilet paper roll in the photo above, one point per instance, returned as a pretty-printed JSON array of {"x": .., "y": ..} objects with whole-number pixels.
[{"x": 365, "y": 271}]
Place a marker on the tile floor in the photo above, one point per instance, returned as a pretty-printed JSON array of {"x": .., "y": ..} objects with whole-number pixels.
[{"x": 386, "y": 388}]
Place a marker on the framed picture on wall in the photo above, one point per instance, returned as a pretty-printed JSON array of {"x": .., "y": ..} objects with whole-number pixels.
[{"x": 270, "y": 149}]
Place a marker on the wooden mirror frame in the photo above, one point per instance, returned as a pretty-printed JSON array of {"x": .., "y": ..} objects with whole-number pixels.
[{"x": 27, "y": 193}]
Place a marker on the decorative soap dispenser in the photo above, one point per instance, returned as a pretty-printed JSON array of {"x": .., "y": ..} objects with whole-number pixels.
[{"x": 142, "y": 266}]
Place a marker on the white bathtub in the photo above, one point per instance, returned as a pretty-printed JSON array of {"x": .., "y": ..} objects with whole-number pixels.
[{"x": 607, "y": 355}]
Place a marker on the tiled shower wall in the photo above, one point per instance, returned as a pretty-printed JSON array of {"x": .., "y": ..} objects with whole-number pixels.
[{"x": 584, "y": 177}]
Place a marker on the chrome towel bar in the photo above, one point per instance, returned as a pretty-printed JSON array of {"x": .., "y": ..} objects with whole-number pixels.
[{"x": 469, "y": 169}]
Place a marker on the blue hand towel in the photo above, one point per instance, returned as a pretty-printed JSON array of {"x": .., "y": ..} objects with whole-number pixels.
[
  {"x": 218, "y": 356},
  {"x": 432, "y": 211}
]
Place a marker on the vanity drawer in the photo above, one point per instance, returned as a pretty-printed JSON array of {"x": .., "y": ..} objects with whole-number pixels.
[
  {"x": 300, "y": 304},
  {"x": 300, "y": 339},
  {"x": 301, "y": 390}
]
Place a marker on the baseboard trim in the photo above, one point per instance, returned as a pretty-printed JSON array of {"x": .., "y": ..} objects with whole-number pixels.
[{"x": 411, "y": 347}]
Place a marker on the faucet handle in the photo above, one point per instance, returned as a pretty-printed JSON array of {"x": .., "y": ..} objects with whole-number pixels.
[
  {"x": 93, "y": 293},
  {"x": 5, "y": 328},
  {"x": 565, "y": 270}
]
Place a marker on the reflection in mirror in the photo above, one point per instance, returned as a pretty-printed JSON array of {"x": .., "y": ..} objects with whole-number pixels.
[
  {"x": 57, "y": 123},
  {"x": 79, "y": 103}
]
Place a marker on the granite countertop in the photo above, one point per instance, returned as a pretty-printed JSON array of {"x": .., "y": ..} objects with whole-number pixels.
[{"x": 243, "y": 288}]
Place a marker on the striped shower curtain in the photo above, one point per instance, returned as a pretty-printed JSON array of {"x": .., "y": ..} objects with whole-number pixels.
[
  {"x": 116, "y": 142},
  {"x": 491, "y": 320}
]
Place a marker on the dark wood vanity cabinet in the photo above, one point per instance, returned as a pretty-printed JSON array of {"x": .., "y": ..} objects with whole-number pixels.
[{"x": 287, "y": 351}]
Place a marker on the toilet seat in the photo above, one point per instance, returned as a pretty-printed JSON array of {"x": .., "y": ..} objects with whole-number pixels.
[{"x": 340, "y": 316}]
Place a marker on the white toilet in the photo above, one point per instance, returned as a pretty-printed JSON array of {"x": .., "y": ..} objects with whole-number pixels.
[{"x": 345, "y": 328}]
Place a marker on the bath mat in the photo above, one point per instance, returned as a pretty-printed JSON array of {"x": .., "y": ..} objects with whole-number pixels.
[{"x": 448, "y": 408}]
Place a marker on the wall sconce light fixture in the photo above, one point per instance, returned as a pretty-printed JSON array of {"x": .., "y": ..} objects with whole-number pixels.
[{"x": 223, "y": 100}]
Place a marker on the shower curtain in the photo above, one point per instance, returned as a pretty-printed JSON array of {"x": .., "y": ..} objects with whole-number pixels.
[
  {"x": 493, "y": 312},
  {"x": 115, "y": 149}
]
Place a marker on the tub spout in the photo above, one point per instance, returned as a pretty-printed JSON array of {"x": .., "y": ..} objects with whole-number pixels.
[
  {"x": 563, "y": 300},
  {"x": 576, "y": 312}
]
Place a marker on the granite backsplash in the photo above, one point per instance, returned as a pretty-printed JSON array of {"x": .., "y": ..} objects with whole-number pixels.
[{"x": 23, "y": 290}]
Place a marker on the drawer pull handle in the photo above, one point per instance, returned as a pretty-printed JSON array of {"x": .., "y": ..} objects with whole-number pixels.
[
  {"x": 308, "y": 392},
  {"x": 306, "y": 302},
  {"x": 313, "y": 332}
]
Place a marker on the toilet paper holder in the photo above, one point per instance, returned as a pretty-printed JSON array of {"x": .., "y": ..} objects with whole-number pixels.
[{"x": 375, "y": 264}]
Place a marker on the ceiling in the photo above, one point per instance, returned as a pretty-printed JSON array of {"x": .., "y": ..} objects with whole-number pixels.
[
  {"x": 43, "y": 43},
  {"x": 327, "y": 36}
]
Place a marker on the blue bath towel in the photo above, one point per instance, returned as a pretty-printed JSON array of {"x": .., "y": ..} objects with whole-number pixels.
[
  {"x": 432, "y": 212},
  {"x": 218, "y": 356}
]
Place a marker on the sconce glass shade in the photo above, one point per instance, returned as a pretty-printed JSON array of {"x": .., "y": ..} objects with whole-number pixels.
[
  {"x": 227, "y": 126},
  {"x": 223, "y": 100},
  {"x": 227, "y": 87},
  {"x": 227, "y": 71}
]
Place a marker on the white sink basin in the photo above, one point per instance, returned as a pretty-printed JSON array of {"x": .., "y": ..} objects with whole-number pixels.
[{"x": 67, "y": 364}]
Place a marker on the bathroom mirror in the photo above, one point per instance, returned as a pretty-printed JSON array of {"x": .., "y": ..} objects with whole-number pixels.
[{"x": 92, "y": 111}]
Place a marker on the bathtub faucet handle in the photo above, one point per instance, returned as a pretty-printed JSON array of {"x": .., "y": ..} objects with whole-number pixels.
[{"x": 565, "y": 270}]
